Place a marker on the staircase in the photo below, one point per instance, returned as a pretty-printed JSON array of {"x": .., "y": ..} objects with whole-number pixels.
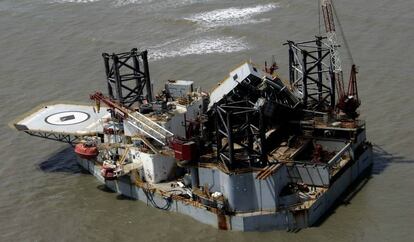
[{"x": 149, "y": 127}]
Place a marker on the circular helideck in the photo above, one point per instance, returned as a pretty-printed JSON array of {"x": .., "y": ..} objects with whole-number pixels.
[{"x": 67, "y": 118}]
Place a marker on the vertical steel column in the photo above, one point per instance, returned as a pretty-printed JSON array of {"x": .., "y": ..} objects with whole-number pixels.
[
  {"x": 195, "y": 180},
  {"x": 305, "y": 78},
  {"x": 291, "y": 64},
  {"x": 249, "y": 134},
  {"x": 117, "y": 77},
  {"x": 319, "y": 66},
  {"x": 262, "y": 135},
  {"x": 333, "y": 81},
  {"x": 230, "y": 137},
  {"x": 147, "y": 75},
  {"x": 135, "y": 61},
  {"x": 217, "y": 128},
  {"x": 108, "y": 74}
]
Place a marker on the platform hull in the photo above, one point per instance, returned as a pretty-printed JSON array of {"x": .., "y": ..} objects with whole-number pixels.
[{"x": 253, "y": 221}]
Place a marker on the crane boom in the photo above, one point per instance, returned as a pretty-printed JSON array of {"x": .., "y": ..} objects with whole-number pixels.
[
  {"x": 328, "y": 17},
  {"x": 329, "y": 20},
  {"x": 347, "y": 102}
]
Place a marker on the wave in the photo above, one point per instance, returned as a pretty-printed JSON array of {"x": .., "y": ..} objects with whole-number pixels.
[
  {"x": 75, "y": 1},
  {"x": 200, "y": 46},
  {"x": 150, "y": 4},
  {"x": 128, "y": 2},
  {"x": 158, "y": 3},
  {"x": 232, "y": 16}
]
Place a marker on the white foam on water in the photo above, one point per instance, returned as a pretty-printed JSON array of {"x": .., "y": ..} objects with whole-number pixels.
[
  {"x": 232, "y": 16},
  {"x": 74, "y": 1},
  {"x": 157, "y": 3},
  {"x": 200, "y": 46},
  {"x": 127, "y": 2}
]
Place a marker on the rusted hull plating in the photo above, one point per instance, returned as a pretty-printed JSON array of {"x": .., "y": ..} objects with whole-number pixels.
[{"x": 289, "y": 219}]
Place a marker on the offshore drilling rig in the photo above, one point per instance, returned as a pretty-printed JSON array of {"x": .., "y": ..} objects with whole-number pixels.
[{"x": 256, "y": 153}]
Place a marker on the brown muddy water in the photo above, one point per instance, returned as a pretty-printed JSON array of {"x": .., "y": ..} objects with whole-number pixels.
[{"x": 51, "y": 50}]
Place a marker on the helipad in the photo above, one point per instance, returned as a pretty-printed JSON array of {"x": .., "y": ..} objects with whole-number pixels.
[{"x": 65, "y": 119}]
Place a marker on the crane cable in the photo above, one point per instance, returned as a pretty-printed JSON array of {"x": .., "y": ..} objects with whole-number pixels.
[{"x": 348, "y": 50}]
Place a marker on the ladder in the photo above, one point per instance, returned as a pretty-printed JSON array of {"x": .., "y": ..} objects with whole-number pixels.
[{"x": 149, "y": 127}]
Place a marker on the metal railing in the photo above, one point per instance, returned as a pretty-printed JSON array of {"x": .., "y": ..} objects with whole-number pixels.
[{"x": 149, "y": 127}]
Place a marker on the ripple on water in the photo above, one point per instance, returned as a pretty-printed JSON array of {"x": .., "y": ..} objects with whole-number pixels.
[{"x": 74, "y": 1}]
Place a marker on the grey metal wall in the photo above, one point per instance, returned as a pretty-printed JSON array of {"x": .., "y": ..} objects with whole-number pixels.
[
  {"x": 315, "y": 175},
  {"x": 244, "y": 192}
]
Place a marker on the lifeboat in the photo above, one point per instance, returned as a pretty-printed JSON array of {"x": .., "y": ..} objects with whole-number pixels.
[
  {"x": 108, "y": 171},
  {"x": 88, "y": 152}
]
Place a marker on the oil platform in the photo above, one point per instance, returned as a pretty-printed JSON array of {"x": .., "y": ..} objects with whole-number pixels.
[{"x": 256, "y": 153}]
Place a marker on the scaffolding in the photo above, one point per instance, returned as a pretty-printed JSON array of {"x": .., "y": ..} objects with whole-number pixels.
[
  {"x": 127, "y": 75},
  {"x": 240, "y": 134},
  {"x": 312, "y": 74}
]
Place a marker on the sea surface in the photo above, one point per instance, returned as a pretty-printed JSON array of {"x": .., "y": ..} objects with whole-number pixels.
[{"x": 51, "y": 50}]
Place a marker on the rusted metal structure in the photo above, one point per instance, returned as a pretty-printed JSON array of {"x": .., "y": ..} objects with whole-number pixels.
[{"x": 254, "y": 154}]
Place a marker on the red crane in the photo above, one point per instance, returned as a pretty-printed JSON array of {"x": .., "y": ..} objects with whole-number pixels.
[
  {"x": 350, "y": 102},
  {"x": 99, "y": 97}
]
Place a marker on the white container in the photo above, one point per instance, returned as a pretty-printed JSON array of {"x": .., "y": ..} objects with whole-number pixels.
[
  {"x": 179, "y": 88},
  {"x": 157, "y": 167}
]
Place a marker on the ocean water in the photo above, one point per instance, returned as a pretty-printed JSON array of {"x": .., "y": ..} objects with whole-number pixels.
[{"x": 51, "y": 50}]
